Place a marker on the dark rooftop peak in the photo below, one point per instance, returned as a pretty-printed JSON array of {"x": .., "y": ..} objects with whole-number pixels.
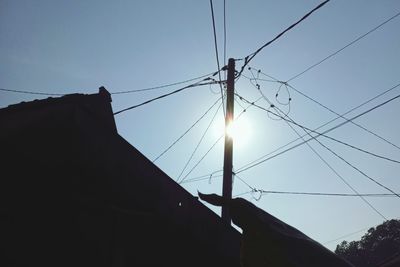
[
  {"x": 103, "y": 92},
  {"x": 97, "y": 105}
]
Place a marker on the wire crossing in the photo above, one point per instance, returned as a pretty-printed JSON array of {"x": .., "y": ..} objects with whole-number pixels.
[
  {"x": 166, "y": 95},
  {"x": 187, "y": 131},
  {"x": 117, "y": 92},
  {"x": 289, "y": 122},
  {"x": 209, "y": 150},
  {"x": 162, "y": 86},
  {"x": 216, "y": 53},
  {"x": 327, "y": 123},
  {"x": 266, "y": 192},
  {"x": 30, "y": 92},
  {"x": 350, "y": 234},
  {"x": 324, "y": 106},
  {"x": 198, "y": 144},
  {"x": 338, "y": 175},
  {"x": 248, "y": 58},
  {"x": 324, "y": 132},
  {"x": 343, "y": 48}
]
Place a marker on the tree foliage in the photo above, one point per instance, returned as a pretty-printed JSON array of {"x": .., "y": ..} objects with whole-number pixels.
[{"x": 375, "y": 246}]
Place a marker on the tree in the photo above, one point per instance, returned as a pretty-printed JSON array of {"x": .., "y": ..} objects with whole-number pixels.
[{"x": 374, "y": 247}]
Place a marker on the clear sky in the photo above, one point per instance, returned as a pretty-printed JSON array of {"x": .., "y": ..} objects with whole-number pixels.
[{"x": 77, "y": 46}]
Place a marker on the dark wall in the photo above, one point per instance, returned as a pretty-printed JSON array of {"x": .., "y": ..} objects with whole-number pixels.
[{"x": 74, "y": 193}]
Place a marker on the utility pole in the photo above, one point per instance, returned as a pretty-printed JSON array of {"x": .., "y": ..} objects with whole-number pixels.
[{"x": 228, "y": 149}]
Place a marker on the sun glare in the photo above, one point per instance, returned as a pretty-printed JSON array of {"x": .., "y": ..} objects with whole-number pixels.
[{"x": 240, "y": 131}]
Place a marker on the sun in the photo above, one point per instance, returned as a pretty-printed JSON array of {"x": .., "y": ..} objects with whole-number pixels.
[{"x": 240, "y": 131}]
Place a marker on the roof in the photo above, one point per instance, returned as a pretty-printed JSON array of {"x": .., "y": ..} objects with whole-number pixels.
[
  {"x": 268, "y": 241},
  {"x": 73, "y": 189},
  {"x": 98, "y": 104}
]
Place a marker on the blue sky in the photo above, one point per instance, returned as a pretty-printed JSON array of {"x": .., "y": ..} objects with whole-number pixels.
[{"x": 78, "y": 46}]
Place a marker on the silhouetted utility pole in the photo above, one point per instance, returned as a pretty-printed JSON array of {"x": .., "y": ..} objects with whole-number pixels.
[{"x": 228, "y": 149}]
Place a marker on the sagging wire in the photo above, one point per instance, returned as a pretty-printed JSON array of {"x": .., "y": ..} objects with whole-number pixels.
[
  {"x": 204, "y": 177},
  {"x": 200, "y": 141},
  {"x": 272, "y": 105},
  {"x": 253, "y": 191},
  {"x": 331, "y": 110}
]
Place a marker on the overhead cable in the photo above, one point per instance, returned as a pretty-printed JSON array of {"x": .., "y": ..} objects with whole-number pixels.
[
  {"x": 248, "y": 58},
  {"x": 362, "y": 173},
  {"x": 203, "y": 177},
  {"x": 114, "y": 93},
  {"x": 351, "y": 165},
  {"x": 350, "y": 234},
  {"x": 289, "y": 122},
  {"x": 30, "y": 92},
  {"x": 198, "y": 143},
  {"x": 324, "y": 124},
  {"x": 190, "y": 128},
  {"x": 165, "y": 95},
  {"x": 352, "y": 122},
  {"x": 324, "y": 132},
  {"x": 225, "y": 37},
  {"x": 322, "y": 194},
  {"x": 344, "y": 47},
  {"x": 216, "y": 54},
  {"x": 323, "y": 106},
  {"x": 209, "y": 150},
  {"x": 161, "y": 86},
  {"x": 202, "y": 158}
]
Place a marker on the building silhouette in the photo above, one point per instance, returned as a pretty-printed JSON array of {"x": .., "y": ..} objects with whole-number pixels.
[{"x": 75, "y": 193}]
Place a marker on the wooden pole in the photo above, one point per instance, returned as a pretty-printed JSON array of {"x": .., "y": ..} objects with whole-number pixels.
[{"x": 228, "y": 149}]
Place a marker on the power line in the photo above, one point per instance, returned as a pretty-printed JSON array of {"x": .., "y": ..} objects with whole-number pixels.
[
  {"x": 322, "y": 194},
  {"x": 361, "y": 172},
  {"x": 202, "y": 158},
  {"x": 344, "y": 47},
  {"x": 198, "y": 144},
  {"x": 216, "y": 54},
  {"x": 264, "y": 192},
  {"x": 336, "y": 172},
  {"x": 208, "y": 151},
  {"x": 117, "y": 92},
  {"x": 190, "y": 128},
  {"x": 162, "y": 86},
  {"x": 354, "y": 147},
  {"x": 30, "y": 92},
  {"x": 257, "y": 86},
  {"x": 289, "y": 121},
  {"x": 328, "y": 122},
  {"x": 241, "y": 194},
  {"x": 347, "y": 235},
  {"x": 225, "y": 37},
  {"x": 334, "y": 119},
  {"x": 325, "y": 107},
  {"x": 209, "y": 176},
  {"x": 350, "y": 234},
  {"x": 324, "y": 132},
  {"x": 243, "y": 181},
  {"x": 340, "y": 157},
  {"x": 203, "y": 177},
  {"x": 248, "y": 58},
  {"x": 165, "y": 95},
  {"x": 352, "y": 122}
]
